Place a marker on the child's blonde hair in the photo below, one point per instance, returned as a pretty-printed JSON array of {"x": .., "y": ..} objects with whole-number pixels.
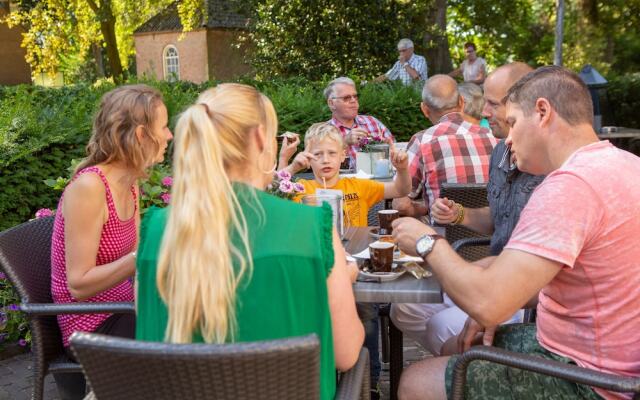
[{"x": 320, "y": 131}]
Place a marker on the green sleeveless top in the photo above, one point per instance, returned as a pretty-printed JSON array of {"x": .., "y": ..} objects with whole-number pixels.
[{"x": 286, "y": 293}]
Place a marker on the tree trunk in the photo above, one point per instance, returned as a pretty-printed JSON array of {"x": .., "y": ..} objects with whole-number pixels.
[
  {"x": 97, "y": 55},
  {"x": 436, "y": 41},
  {"x": 557, "y": 57},
  {"x": 107, "y": 21}
]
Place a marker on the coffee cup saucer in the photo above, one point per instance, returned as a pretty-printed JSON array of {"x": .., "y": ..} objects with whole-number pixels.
[
  {"x": 375, "y": 233},
  {"x": 397, "y": 271}
]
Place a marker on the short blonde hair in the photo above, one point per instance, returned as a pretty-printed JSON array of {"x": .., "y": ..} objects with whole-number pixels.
[{"x": 320, "y": 131}]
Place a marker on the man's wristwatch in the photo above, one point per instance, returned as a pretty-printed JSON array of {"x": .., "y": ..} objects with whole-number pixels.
[
  {"x": 405, "y": 64},
  {"x": 425, "y": 244}
]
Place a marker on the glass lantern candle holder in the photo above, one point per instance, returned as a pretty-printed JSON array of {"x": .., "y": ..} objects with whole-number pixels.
[{"x": 375, "y": 161}]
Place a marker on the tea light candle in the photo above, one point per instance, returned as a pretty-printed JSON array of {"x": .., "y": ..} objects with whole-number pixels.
[{"x": 381, "y": 168}]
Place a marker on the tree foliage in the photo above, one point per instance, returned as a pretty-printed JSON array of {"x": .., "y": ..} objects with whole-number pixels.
[
  {"x": 62, "y": 32},
  {"x": 603, "y": 33},
  {"x": 326, "y": 37}
]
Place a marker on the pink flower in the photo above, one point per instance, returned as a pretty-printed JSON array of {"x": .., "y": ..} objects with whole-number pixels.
[
  {"x": 284, "y": 175},
  {"x": 286, "y": 186},
  {"x": 165, "y": 197},
  {"x": 167, "y": 181},
  {"x": 22, "y": 342},
  {"x": 43, "y": 212},
  {"x": 298, "y": 187}
]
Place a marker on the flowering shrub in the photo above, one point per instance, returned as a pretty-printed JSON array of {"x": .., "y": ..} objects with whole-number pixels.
[
  {"x": 367, "y": 141},
  {"x": 13, "y": 323},
  {"x": 283, "y": 187}
]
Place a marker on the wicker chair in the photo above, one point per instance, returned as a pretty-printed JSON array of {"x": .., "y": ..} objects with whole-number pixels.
[
  {"x": 536, "y": 364},
  {"x": 470, "y": 195},
  {"x": 279, "y": 369},
  {"x": 25, "y": 258}
]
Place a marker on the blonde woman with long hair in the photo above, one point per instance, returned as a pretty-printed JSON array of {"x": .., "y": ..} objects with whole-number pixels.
[{"x": 227, "y": 262}]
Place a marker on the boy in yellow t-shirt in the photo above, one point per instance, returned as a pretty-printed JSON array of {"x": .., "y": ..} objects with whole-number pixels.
[{"x": 324, "y": 152}]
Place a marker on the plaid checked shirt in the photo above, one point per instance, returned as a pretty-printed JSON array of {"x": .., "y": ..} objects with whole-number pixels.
[
  {"x": 399, "y": 72},
  {"x": 365, "y": 122},
  {"x": 454, "y": 151}
]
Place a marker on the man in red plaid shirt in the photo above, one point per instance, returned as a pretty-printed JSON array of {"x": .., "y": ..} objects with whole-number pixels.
[
  {"x": 342, "y": 99},
  {"x": 452, "y": 150}
]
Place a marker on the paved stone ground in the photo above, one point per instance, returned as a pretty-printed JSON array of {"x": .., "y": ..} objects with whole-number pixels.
[
  {"x": 16, "y": 375},
  {"x": 16, "y": 379}
]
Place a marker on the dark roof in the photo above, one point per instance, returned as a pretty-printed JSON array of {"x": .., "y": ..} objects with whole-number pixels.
[{"x": 221, "y": 14}]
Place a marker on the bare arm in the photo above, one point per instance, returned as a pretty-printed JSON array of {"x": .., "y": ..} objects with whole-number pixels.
[
  {"x": 348, "y": 332},
  {"x": 489, "y": 295},
  {"x": 456, "y": 72},
  {"x": 401, "y": 186},
  {"x": 409, "y": 207},
  {"x": 85, "y": 212}
]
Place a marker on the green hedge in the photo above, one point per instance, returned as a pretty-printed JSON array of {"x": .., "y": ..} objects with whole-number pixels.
[
  {"x": 623, "y": 95},
  {"x": 42, "y": 129}
]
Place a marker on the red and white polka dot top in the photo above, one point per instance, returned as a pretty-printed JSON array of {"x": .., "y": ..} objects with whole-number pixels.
[{"x": 118, "y": 239}]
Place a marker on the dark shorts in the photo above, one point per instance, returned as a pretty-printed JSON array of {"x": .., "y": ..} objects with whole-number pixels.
[{"x": 487, "y": 380}]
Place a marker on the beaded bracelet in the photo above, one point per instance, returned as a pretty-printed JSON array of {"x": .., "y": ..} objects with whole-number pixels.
[{"x": 460, "y": 216}]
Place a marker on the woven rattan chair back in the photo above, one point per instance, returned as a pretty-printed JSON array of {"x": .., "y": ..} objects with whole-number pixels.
[
  {"x": 372, "y": 215},
  {"x": 470, "y": 195},
  {"x": 127, "y": 369},
  {"x": 25, "y": 257}
]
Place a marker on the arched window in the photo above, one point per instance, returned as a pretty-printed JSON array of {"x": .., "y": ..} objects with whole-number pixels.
[{"x": 171, "y": 63}]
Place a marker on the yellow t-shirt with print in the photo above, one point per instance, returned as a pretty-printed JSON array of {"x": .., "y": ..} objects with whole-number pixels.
[{"x": 359, "y": 195}]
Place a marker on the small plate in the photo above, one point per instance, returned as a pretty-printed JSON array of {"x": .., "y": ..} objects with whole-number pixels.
[
  {"x": 397, "y": 272},
  {"x": 374, "y": 233}
]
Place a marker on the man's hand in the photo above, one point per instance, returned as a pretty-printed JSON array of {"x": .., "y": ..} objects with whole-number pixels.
[
  {"x": 289, "y": 147},
  {"x": 353, "y": 137},
  {"x": 399, "y": 158},
  {"x": 444, "y": 211},
  {"x": 473, "y": 333},
  {"x": 407, "y": 231}
]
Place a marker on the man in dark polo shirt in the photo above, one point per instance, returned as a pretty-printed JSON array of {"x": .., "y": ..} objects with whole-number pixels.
[{"x": 508, "y": 190}]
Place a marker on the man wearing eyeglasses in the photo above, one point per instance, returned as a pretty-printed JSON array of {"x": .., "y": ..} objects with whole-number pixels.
[
  {"x": 342, "y": 99},
  {"x": 409, "y": 68}
]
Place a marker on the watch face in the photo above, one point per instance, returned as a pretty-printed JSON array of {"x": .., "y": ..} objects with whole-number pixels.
[{"x": 424, "y": 245}]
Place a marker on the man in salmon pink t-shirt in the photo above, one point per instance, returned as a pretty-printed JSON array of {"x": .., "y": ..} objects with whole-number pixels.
[{"x": 575, "y": 251}]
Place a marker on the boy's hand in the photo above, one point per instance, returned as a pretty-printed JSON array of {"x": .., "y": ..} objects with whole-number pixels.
[
  {"x": 444, "y": 211},
  {"x": 302, "y": 161},
  {"x": 289, "y": 147},
  {"x": 399, "y": 159}
]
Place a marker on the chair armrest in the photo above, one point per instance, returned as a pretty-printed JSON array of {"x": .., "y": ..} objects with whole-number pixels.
[
  {"x": 474, "y": 241},
  {"x": 527, "y": 362},
  {"x": 38, "y": 309},
  {"x": 354, "y": 384}
]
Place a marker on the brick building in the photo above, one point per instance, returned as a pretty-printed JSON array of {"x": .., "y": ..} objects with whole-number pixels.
[
  {"x": 205, "y": 53},
  {"x": 13, "y": 67}
]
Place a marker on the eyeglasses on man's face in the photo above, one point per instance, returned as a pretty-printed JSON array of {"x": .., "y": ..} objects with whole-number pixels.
[{"x": 347, "y": 98}]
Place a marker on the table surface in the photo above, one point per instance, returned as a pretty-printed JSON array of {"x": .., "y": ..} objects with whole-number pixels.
[{"x": 406, "y": 289}]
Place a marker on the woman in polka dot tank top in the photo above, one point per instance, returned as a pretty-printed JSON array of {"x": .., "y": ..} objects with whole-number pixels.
[{"x": 93, "y": 248}]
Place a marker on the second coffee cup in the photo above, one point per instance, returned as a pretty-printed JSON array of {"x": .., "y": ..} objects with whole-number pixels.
[{"x": 386, "y": 218}]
